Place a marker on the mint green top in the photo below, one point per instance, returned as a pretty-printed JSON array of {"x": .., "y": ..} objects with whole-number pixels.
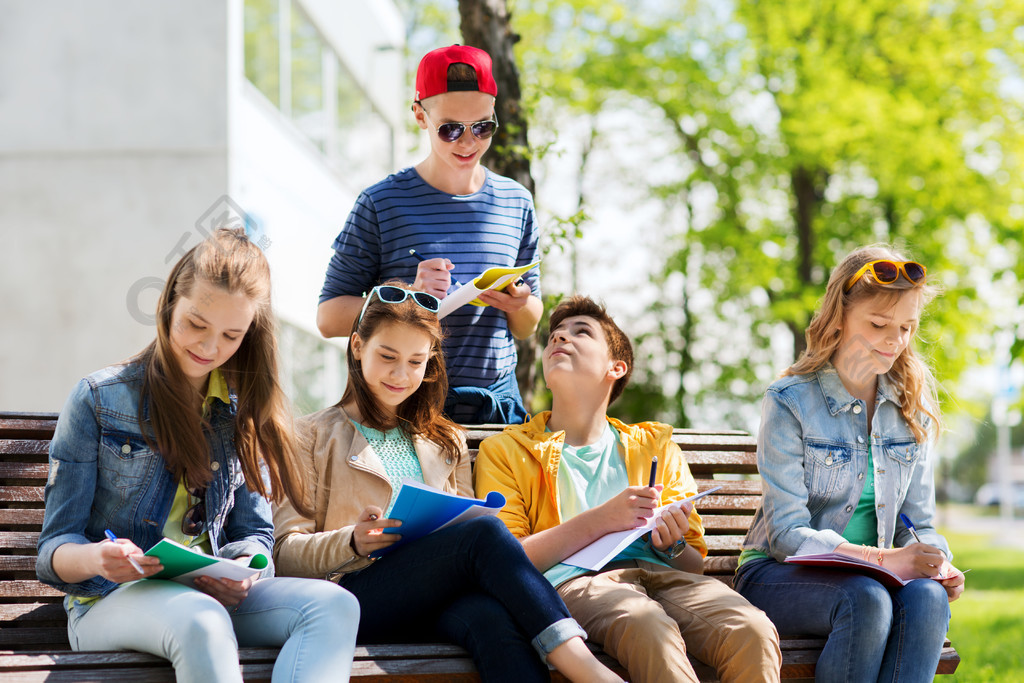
[
  {"x": 587, "y": 477},
  {"x": 397, "y": 454},
  {"x": 862, "y": 529}
]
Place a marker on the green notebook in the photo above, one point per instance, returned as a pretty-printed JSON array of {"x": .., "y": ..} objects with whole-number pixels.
[{"x": 184, "y": 564}]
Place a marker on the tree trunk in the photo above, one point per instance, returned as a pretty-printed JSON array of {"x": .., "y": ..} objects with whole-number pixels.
[
  {"x": 806, "y": 196},
  {"x": 485, "y": 24},
  {"x": 686, "y": 363}
]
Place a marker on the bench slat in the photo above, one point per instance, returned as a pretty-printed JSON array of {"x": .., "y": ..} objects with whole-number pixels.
[
  {"x": 32, "y": 612},
  {"x": 730, "y": 487},
  {"x": 17, "y": 563},
  {"x": 27, "y": 589},
  {"x": 21, "y": 517},
  {"x": 27, "y": 425},
  {"x": 21, "y": 494},
  {"x": 703, "y": 463},
  {"x": 717, "y": 504},
  {"x": 728, "y": 524},
  {"x": 24, "y": 470},
  {"x": 22, "y": 539},
  {"x": 31, "y": 450}
]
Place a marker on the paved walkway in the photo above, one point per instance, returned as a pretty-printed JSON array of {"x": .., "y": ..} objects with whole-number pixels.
[{"x": 966, "y": 519}]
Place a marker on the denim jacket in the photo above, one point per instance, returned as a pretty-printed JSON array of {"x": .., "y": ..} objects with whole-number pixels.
[
  {"x": 104, "y": 476},
  {"x": 812, "y": 454}
]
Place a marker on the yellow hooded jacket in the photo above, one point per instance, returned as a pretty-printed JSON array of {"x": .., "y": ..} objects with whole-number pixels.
[{"x": 522, "y": 462}]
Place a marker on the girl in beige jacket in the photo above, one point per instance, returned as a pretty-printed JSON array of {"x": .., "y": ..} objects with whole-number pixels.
[{"x": 470, "y": 583}]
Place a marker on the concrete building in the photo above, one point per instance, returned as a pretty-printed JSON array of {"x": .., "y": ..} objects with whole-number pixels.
[{"x": 129, "y": 129}]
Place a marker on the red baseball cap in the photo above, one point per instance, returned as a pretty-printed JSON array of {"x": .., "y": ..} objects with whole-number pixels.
[{"x": 432, "y": 73}]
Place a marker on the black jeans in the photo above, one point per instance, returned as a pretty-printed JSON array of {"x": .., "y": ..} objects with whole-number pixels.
[{"x": 470, "y": 584}]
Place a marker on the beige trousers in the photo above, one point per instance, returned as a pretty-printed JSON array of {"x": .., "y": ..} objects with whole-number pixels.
[{"x": 648, "y": 616}]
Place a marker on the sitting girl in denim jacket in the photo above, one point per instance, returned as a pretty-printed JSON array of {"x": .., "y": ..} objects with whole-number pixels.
[
  {"x": 187, "y": 440},
  {"x": 844, "y": 450}
]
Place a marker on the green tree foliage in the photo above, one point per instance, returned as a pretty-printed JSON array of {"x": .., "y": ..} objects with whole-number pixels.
[{"x": 795, "y": 132}]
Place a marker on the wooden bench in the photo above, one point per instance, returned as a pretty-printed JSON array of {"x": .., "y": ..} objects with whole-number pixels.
[{"x": 33, "y": 625}]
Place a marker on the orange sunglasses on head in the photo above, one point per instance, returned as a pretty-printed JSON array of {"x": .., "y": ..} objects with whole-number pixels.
[{"x": 885, "y": 272}]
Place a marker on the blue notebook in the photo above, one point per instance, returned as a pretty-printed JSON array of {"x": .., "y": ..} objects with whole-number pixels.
[{"x": 423, "y": 510}]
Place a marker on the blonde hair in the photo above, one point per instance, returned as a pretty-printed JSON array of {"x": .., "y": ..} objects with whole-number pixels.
[
  {"x": 263, "y": 425},
  {"x": 912, "y": 377}
]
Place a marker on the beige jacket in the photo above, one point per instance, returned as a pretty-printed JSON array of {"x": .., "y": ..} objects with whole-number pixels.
[{"x": 345, "y": 477}]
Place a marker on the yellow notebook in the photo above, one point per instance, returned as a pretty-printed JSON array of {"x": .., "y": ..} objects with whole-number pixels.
[{"x": 493, "y": 278}]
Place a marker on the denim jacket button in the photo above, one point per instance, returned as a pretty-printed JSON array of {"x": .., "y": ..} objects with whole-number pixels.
[
  {"x": 849, "y": 508},
  {"x": 214, "y": 466},
  {"x": 828, "y": 460},
  {"x": 126, "y": 449},
  {"x": 860, "y": 439},
  {"x": 857, "y": 409},
  {"x": 860, "y": 475}
]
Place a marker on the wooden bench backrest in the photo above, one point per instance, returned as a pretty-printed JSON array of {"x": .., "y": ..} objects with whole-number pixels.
[{"x": 31, "y": 615}]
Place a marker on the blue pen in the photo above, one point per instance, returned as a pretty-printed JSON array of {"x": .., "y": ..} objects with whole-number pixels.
[
  {"x": 910, "y": 527},
  {"x": 113, "y": 539},
  {"x": 422, "y": 258}
]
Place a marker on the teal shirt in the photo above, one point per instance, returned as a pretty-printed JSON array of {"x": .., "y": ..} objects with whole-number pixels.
[
  {"x": 587, "y": 477},
  {"x": 862, "y": 529}
]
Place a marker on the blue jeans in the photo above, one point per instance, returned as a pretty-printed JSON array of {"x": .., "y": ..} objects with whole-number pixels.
[
  {"x": 874, "y": 634},
  {"x": 313, "y": 621},
  {"x": 470, "y": 584},
  {"x": 500, "y": 403}
]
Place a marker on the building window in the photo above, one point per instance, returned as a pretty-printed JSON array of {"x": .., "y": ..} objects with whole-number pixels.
[
  {"x": 289, "y": 61},
  {"x": 307, "y": 81},
  {"x": 263, "y": 47},
  {"x": 362, "y": 137},
  {"x": 313, "y": 371}
]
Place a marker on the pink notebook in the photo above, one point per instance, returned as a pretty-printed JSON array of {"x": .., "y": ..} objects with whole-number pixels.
[{"x": 839, "y": 561}]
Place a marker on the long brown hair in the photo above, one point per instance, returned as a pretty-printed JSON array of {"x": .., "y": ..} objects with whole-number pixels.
[
  {"x": 913, "y": 378},
  {"x": 421, "y": 413},
  {"x": 263, "y": 425}
]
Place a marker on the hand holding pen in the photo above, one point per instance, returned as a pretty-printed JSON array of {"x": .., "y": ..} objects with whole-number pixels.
[
  {"x": 433, "y": 275},
  {"x": 113, "y": 556},
  {"x": 951, "y": 578},
  {"x": 934, "y": 557}
]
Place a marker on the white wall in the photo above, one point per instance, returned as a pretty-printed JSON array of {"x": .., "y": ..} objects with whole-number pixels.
[
  {"x": 113, "y": 143},
  {"x": 122, "y": 123}
]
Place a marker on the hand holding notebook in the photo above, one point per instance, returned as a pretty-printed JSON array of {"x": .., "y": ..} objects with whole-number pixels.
[{"x": 490, "y": 279}]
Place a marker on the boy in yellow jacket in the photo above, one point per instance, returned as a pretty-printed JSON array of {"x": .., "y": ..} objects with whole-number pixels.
[{"x": 573, "y": 474}]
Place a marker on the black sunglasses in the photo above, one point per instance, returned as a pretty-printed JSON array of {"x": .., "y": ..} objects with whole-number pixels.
[
  {"x": 194, "y": 520},
  {"x": 453, "y": 130}
]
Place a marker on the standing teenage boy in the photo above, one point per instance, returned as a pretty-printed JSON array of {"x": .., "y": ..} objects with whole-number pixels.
[
  {"x": 573, "y": 474},
  {"x": 461, "y": 219}
]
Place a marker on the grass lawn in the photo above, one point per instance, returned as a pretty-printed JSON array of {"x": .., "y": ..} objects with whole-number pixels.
[{"x": 988, "y": 620}]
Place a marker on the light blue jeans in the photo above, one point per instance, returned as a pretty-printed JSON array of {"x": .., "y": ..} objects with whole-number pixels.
[
  {"x": 313, "y": 621},
  {"x": 874, "y": 634}
]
